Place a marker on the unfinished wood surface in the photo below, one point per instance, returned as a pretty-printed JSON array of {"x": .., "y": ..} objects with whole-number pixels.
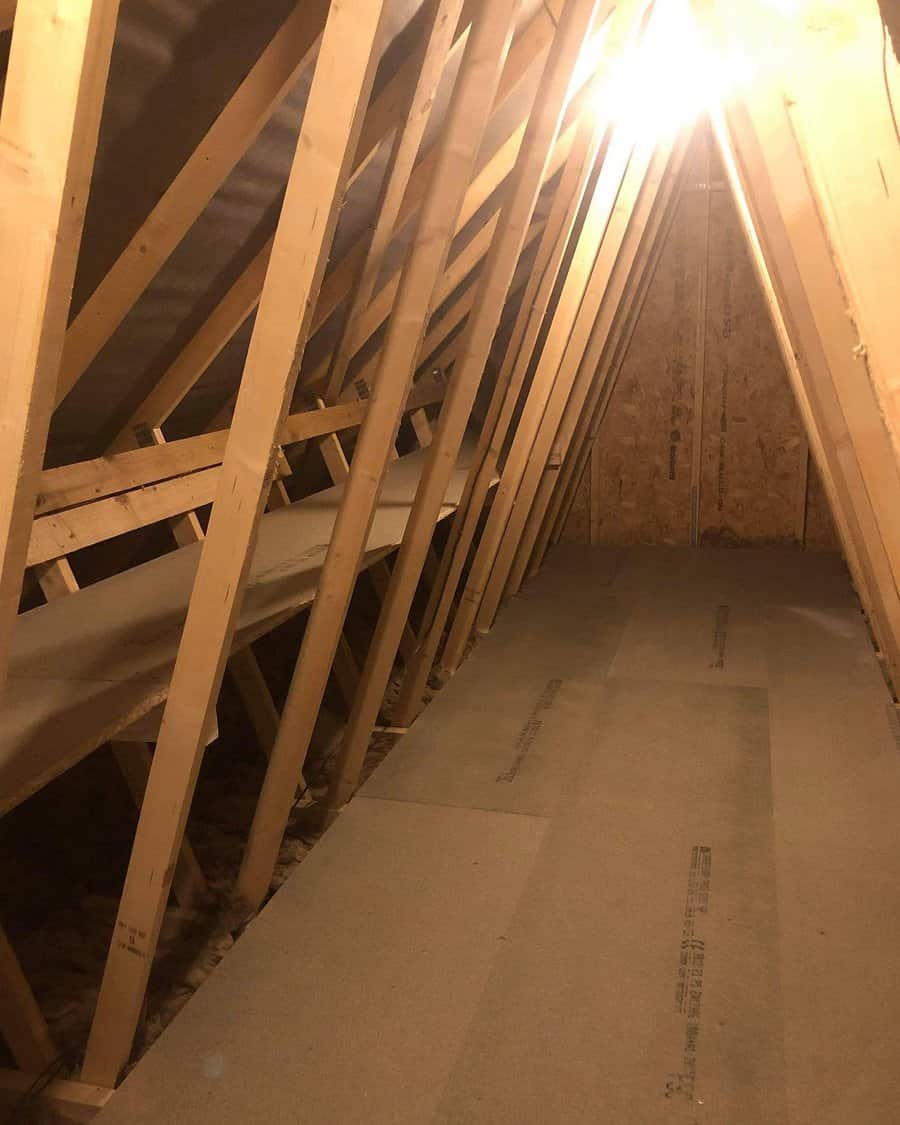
[
  {"x": 606, "y": 192},
  {"x": 641, "y": 196},
  {"x": 473, "y": 94},
  {"x": 22, "y": 1026},
  {"x": 806, "y": 365},
  {"x": 93, "y": 662},
  {"x": 437, "y": 35},
  {"x": 576, "y": 465},
  {"x": 491, "y": 293},
  {"x": 72, "y": 1101},
  {"x": 621, "y": 281},
  {"x": 703, "y": 186},
  {"x": 526, "y": 49},
  {"x": 347, "y": 60},
  {"x": 229, "y": 137},
  {"x": 405, "y": 897},
  {"x": 84, "y": 481},
  {"x": 819, "y": 531},
  {"x": 554, "y": 241},
  {"x": 63, "y": 532},
  {"x": 133, "y": 759},
  {"x": 753, "y": 477},
  {"x": 485, "y": 188},
  {"x": 853, "y": 445},
  {"x": 837, "y": 79},
  {"x": 739, "y": 441},
  {"x": 243, "y": 296},
  {"x": 47, "y": 150}
]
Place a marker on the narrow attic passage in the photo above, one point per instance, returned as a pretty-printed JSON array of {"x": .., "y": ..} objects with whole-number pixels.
[
  {"x": 619, "y": 871},
  {"x": 449, "y": 561}
]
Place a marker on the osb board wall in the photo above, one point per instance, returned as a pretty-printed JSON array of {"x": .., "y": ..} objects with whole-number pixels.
[{"x": 702, "y": 442}]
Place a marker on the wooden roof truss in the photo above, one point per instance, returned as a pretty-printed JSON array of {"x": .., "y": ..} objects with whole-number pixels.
[{"x": 573, "y": 210}]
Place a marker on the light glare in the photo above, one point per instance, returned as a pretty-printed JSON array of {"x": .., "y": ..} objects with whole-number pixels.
[{"x": 670, "y": 78}]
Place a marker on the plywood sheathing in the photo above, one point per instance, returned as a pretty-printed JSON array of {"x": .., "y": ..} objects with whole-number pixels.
[{"x": 753, "y": 484}]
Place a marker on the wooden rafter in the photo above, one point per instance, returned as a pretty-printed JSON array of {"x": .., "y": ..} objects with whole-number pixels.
[
  {"x": 606, "y": 192},
  {"x": 51, "y": 142},
  {"x": 440, "y": 20},
  {"x": 574, "y": 465},
  {"x": 474, "y": 91},
  {"x": 21, "y": 1023},
  {"x": 347, "y": 60},
  {"x": 574, "y": 376},
  {"x": 554, "y": 240},
  {"x": 47, "y": 148},
  {"x": 489, "y": 298},
  {"x": 561, "y": 419},
  {"x": 242, "y": 298},
  {"x": 850, "y": 472},
  {"x": 270, "y": 81}
]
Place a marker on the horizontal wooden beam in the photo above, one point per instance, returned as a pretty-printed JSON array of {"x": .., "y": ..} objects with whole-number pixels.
[
  {"x": 87, "y": 481},
  {"x": 74, "y": 1101}
]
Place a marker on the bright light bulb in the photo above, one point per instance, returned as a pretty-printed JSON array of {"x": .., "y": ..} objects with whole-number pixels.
[{"x": 670, "y": 78}]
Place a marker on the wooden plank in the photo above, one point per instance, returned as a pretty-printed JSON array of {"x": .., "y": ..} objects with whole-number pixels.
[
  {"x": 700, "y": 346},
  {"x": 585, "y": 437},
  {"x": 810, "y": 365},
  {"x": 440, "y": 20},
  {"x": 47, "y": 148},
  {"x": 548, "y": 397},
  {"x": 473, "y": 93},
  {"x": 271, "y": 79},
  {"x": 73, "y": 1101},
  {"x": 555, "y": 238},
  {"x": 553, "y": 352},
  {"x": 242, "y": 298},
  {"x": 836, "y": 82},
  {"x": 487, "y": 182},
  {"x": 7, "y": 14},
  {"x": 490, "y": 295},
  {"x": 22, "y": 1026},
  {"x": 133, "y": 759},
  {"x": 244, "y": 669},
  {"x": 93, "y": 663},
  {"x": 120, "y": 472},
  {"x": 64, "y": 532},
  {"x": 347, "y": 60},
  {"x": 629, "y": 229},
  {"x": 56, "y": 578}
]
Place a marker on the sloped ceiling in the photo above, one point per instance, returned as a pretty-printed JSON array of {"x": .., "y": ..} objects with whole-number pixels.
[{"x": 175, "y": 65}]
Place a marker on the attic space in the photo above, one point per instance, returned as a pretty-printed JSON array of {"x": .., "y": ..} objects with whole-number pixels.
[{"x": 449, "y": 562}]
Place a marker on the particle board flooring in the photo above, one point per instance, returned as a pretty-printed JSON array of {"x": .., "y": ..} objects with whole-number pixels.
[
  {"x": 639, "y": 862},
  {"x": 86, "y": 666}
]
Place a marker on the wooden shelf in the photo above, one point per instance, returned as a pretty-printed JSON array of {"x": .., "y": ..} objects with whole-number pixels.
[{"x": 85, "y": 667}]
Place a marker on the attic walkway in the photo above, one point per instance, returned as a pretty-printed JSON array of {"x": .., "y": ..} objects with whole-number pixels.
[
  {"x": 92, "y": 663},
  {"x": 644, "y": 844}
]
